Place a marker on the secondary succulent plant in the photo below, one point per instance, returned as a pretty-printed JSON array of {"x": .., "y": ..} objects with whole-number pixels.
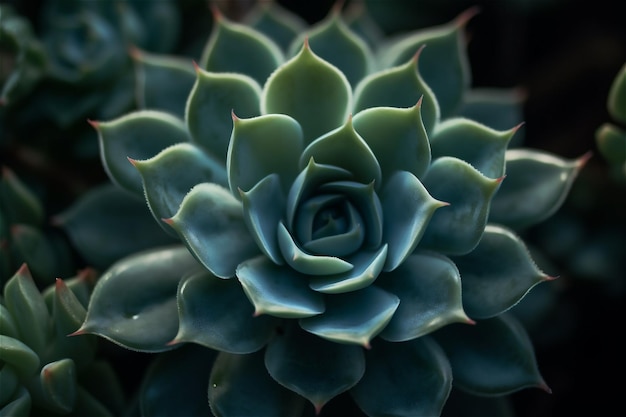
[{"x": 342, "y": 229}]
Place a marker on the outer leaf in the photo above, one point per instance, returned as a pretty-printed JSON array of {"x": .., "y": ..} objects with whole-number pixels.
[
  {"x": 203, "y": 300},
  {"x": 404, "y": 379},
  {"x": 255, "y": 55},
  {"x": 429, "y": 288},
  {"x": 616, "y": 102},
  {"x": 310, "y": 90},
  {"x": 495, "y": 107},
  {"x": 134, "y": 302},
  {"x": 107, "y": 224},
  {"x": 18, "y": 203},
  {"x": 536, "y": 185},
  {"x": 214, "y": 99},
  {"x": 280, "y": 24},
  {"x": 210, "y": 221},
  {"x": 396, "y": 137},
  {"x": 237, "y": 377},
  {"x": 495, "y": 357},
  {"x": 302, "y": 362},
  {"x": 18, "y": 355},
  {"x": 278, "y": 291},
  {"x": 457, "y": 229},
  {"x": 497, "y": 274},
  {"x": 138, "y": 135},
  {"x": 261, "y": 146},
  {"x": 161, "y": 392},
  {"x": 400, "y": 86}
]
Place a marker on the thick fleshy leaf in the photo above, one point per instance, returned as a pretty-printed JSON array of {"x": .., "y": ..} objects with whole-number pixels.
[
  {"x": 497, "y": 273},
  {"x": 302, "y": 362},
  {"x": 31, "y": 246},
  {"x": 495, "y": 357},
  {"x": 429, "y": 288},
  {"x": 9, "y": 382},
  {"x": 163, "y": 82},
  {"x": 344, "y": 148},
  {"x": 536, "y": 185},
  {"x": 444, "y": 66},
  {"x": 134, "y": 302},
  {"x": 333, "y": 41},
  {"x": 407, "y": 208},
  {"x": 137, "y": 135},
  {"x": 278, "y": 290},
  {"x": 611, "y": 142},
  {"x": 203, "y": 300},
  {"x": 168, "y": 177},
  {"x": 280, "y": 24},
  {"x": 238, "y": 48},
  {"x": 354, "y": 317},
  {"x": 457, "y": 229},
  {"x": 210, "y": 221},
  {"x": 58, "y": 380},
  {"x": 7, "y": 323},
  {"x": 397, "y": 138},
  {"x": 474, "y": 143},
  {"x": 15, "y": 353},
  {"x": 261, "y": 146},
  {"x": 616, "y": 102},
  {"x": 306, "y": 263},
  {"x": 238, "y": 377},
  {"x": 19, "y": 405},
  {"x": 400, "y": 86},
  {"x": 404, "y": 379},
  {"x": 310, "y": 90},
  {"x": 162, "y": 394},
  {"x": 213, "y": 100},
  {"x": 28, "y": 308},
  {"x": 367, "y": 266},
  {"x": 18, "y": 203},
  {"x": 108, "y": 223}
]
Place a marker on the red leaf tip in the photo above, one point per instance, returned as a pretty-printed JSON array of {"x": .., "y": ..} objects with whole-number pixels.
[
  {"x": 466, "y": 16},
  {"x": 95, "y": 124}
]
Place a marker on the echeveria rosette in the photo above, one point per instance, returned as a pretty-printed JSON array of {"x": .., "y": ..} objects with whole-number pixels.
[{"x": 338, "y": 236}]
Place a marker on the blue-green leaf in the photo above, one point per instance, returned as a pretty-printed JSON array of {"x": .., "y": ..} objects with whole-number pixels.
[
  {"x": 19, "y": 405},
  {"x": 58, "y": 380},
  {"x": 278, "y": 290},
  {"x": 404, "y": 379},
  {"x": 18, "y": 355},
  {"x": 18, "y": 203},
  {"x": 494, "y": 357},
  {"x": 497, "y": 274},
  {"x": 9, "y": 382},
  {"x": 463, "y": 404},
  {"x": 134, "y": 301},
  {"x": 536, "y": 185},
  {"x": 235, "y": 377},
  {"x": 210, "y": 221},
  {"x": 31, "y": 246},
  {"x": 277, "y": 22},
  {"x": 203, "y": 300},
  {"x": 303, "y": 362},
  {"x": 616, "y": 102},
  {"x": 429, "y": 288}
]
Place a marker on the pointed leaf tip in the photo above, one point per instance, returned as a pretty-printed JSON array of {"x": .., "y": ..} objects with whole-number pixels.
[
  {"x": 132, "y": 161},
  {"x": 94, "y": 123},
  {"x": 23, "y": 269},
  {"x": 582, "y": 161},
  {"x": 217, "y": 13},
  {"x": 134, "y": 52},
  {"x": 466, "y": 16},
  {"x": 196, "y": 67}
]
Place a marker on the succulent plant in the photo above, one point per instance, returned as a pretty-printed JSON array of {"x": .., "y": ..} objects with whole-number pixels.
[
  {"x": 42, "y": 371},
  {"x": 343, "y": 229}
]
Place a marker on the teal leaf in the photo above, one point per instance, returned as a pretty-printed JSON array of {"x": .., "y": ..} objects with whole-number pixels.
[
  {"x": 202, "y": 301},
  {"x": 404, "y": 379},
  {"x": 335, "y": 42},
  {"x": 138, "y": 135},
  {"x": 162, "y": 82},
  {"x": 344, "y": 148},
  {"x": 278, "y": 291},
  {"x": 161, "y": 393},
  {"x": 463, "y": 404},
  {"x": 610, "y": 141},
  {"x": 28, "y": 308},
  {"x": 401, "y": 86},
  {"x": 100, "y": 222},
  {"x": 168, "y": 176},
  {"x": 100, "y": 379},
  {"x": 9, "y": 382},
  {"x": 494, "y": 357},
  {"x": 58, "y": 380},
  {"x": 238, "y": 48},
  {"x": 367, "y": 266},
  {"x": 213, "y": 100},
  {"x": 397, "y": 138},
  {"x": 19, "y": 405},
  {"x": 444, "y": 65},
  {"x": 616, "y": 102},
  {"x": 478, "y": 145},
  {"x": 7, "y": 323},
  {"x": 306, "y": 263},
  {"x": 536, "y": 185},
  {"x": 497, "y": 273},
  {"x": 354, "y": 317},
  {"x": 88, "y": 405},
  {"x": 302, "y": 362},
  {"x": 280, "y": 24},
  {"x": 235, "y": 377},
  {"x": 19, "y": 356},
  {"x": 210, "y": 221},
  {"x": 18, "y": 203},
  {"x": 310, "y": 90},
  {"x": 407, "y": 208},
  {"x": 429, "y": 288},
  {"x": 134, "y": 301},
  {"x": 261, "y": 146},
  {"x": 457, "y": 229},
  {"x": 31, "y": 246}
]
